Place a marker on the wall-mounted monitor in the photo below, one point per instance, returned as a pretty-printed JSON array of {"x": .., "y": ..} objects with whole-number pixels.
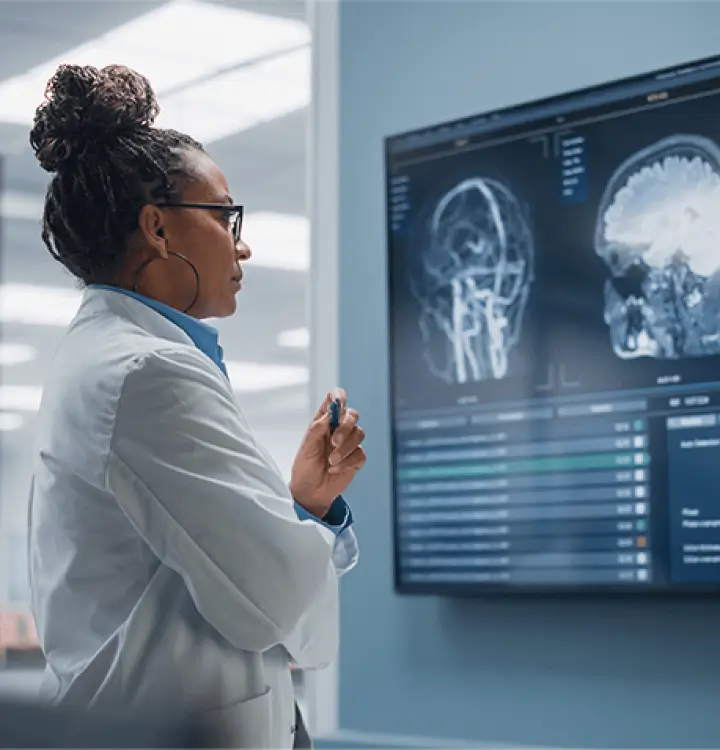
[{"x": 554, "y": 301}]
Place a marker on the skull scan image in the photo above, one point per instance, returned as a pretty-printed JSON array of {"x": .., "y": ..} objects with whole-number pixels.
[
  {"x": 472, "y": 281},
  {"x": 658, "y": 230}
]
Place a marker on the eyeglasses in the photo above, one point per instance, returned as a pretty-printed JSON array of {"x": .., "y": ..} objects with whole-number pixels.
[{"x": 234, "y": 213}]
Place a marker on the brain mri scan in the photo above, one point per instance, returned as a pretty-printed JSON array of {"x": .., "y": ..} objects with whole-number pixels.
[
  {"x": 658, "y": 231},
  {"x": 472, "y": 281}
]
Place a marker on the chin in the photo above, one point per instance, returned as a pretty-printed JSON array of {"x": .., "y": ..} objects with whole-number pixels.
[
  {"x": 220, "y": 306},
  {"x": 228, "y": 308}
]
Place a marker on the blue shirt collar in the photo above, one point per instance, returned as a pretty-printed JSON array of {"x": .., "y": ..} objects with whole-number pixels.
[{"x": 205, "y": 337}]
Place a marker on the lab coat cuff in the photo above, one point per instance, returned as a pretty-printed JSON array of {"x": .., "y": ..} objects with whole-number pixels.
[{"x": 337, "y": 519}]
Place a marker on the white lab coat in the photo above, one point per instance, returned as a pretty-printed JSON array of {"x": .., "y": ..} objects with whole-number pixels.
[{"x": 168, "y": 568}]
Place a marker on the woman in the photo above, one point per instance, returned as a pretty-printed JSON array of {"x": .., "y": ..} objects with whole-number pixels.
[{"x": 171, "y": 566}]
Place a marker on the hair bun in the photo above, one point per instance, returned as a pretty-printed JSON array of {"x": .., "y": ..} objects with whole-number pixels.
[{"x": 86, "y": 106}]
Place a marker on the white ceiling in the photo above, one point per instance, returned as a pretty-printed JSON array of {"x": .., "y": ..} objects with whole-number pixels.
[{"x": 265, "y": 166}]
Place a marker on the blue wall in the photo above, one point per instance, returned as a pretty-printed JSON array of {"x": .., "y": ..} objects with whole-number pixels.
[{"x": 592, "y": 673}]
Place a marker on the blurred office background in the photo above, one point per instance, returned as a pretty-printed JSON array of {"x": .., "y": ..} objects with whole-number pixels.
[
  {"x": 550, "y": 673},
  {"x": 237, "y": 76}
]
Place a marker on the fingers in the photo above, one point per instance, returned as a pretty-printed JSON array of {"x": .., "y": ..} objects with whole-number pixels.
[
  {"x": 353, "y": 462},
  {"x": 348, "y": 422},
  {"x": 347, "y": 438},
  {"x": 336, "y": 394}
]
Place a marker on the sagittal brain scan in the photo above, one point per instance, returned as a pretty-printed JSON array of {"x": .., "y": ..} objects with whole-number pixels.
[
  {"x": 472, "y": 280},
  {"x": 658, "y": 230}
]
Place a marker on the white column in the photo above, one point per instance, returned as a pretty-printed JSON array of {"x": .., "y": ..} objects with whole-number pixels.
[{"x": 321, "y": 687}]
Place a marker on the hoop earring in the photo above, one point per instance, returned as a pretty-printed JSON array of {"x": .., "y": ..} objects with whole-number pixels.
[{"x": 136, "y": 279}]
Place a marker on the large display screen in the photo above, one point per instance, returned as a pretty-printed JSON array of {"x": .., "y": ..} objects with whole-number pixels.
[{"x": 554, "y": 288}]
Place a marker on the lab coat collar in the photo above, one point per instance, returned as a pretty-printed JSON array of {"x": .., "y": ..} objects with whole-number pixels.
[{"x": 204, "y": 336}]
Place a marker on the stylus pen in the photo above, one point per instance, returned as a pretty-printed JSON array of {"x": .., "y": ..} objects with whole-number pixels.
[{"x": 334, "y": 409}]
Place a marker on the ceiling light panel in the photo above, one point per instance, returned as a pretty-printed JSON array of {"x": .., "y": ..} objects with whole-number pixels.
[
  {"x": 22, "y": 206},
  {"x": 16, "y": 354},
  {"x": 253, "y": 377},
  {"x": 34, "y": 304},
  {"x": 297, "y": 338},
  {"x": 20, "y": 397},
  {"x": 10, "y": 421},
  {"x": 278, "y": 240},
  {"x": 241, "y": 99},
  {"x": 179, "y": 43}
]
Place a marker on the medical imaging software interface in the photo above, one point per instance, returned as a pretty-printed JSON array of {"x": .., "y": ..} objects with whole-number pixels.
[{"x": 554, "y": 278}]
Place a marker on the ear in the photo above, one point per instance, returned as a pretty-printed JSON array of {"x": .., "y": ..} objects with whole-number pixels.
[{"x": 151, "y": 224}]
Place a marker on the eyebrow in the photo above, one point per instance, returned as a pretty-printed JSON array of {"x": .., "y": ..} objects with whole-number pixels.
[{"x": 229, "y": 200}]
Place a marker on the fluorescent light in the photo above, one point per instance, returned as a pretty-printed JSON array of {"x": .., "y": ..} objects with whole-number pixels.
[
  {"x": 252, "y": 377},
  {"x": 20, "y": 397},
  {"x": 240, "y": 99},
  {"x": 297, "y": 338},
  {"x": 23, "y": 206},
  {"x": 10, "y": 421},
  {"x": 38, "y": 305},
  {"x": 16, "y": 354},
  {"x": 278, "y": 240},
  {"x": 180, "y": 42}
]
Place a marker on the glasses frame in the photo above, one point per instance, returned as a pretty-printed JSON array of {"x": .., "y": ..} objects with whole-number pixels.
[{"x": 235, "y": 208}]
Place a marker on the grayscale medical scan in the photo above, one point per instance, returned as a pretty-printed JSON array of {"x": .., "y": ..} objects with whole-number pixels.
[
  {"x": 554, "y": 284},
  {"x": 473, "y": 281},
  {"x": 658, "y": 201}
]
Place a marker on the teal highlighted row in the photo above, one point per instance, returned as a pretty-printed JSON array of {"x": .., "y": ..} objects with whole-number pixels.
[{"x": 529, "y": 466}]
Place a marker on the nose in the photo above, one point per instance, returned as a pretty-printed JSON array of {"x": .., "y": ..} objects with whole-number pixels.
[{"x": 242, "y": 251}]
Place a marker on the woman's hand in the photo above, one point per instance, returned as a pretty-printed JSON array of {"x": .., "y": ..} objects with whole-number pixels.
[{"x": 326, "y": 463}]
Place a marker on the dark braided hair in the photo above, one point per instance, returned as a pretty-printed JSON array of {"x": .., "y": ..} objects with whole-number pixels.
[{"x": 95, "y": 132}]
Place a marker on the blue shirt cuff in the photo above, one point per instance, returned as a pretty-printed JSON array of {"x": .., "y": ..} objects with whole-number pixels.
[{"x": 337, "y": 519}]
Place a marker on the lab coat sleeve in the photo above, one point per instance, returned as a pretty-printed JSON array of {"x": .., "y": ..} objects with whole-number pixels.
[
  {"x": 345, "y": 552},
  {"x": 186, "y": 470},
  {"x": 313, "y": 644}
]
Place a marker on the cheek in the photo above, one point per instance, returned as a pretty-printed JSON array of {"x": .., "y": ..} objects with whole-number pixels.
[
  {"x": 203, "y": 268},
  {"x": 212, "y": 253},
  {"x": 217, "y": 265}
]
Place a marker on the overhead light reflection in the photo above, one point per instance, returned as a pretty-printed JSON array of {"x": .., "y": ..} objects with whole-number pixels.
[
  {"x": 234, "y": 53},
  {"x": 36, "y": 304},
  {"x": 20, "y": 397},
  {"x": 10, "y": 421},
  {"x": 297, "y": 338},
  {"x": 16, "y": 354}
]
